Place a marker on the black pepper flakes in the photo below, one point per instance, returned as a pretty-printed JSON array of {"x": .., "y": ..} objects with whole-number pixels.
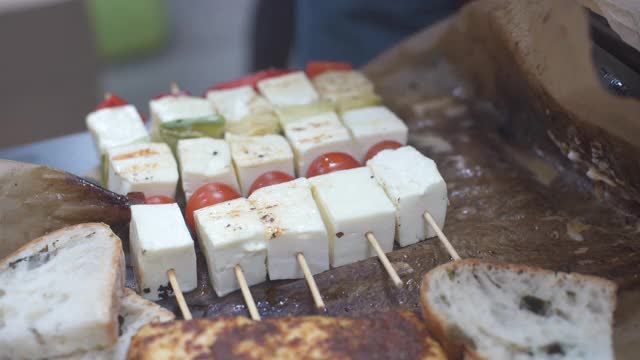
[
  {"x": 339, "y": 234},
  {"x": 215, "y": 153}
]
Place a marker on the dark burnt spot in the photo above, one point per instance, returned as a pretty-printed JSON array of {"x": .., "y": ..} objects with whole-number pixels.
[
  {"x": 554, "y": 349},
  {"x": 36, "y": 260},
  {"x": 120, "y": 324},
  {"x": 90, "y": 235},
  {"x": 265, "y": 217},
  {"x": 535, "y": 305},
  {"x": 165, "y": 291},
  {"x": 215, "y": 153},
  {"x": 271, "y": 220},
  {"x": 339, "y": 234},
  {"x": 146, "y": 290}
]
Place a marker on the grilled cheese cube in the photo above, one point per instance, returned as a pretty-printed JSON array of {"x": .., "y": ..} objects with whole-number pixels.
[
  {"x": 149, "y": 168},
  {"x": 230, "y": 234},
  {"x": 414, "y": 185},
  {"x": 255, "y": 155},
  {"x": 352, "y": 204},
  {"x": 205, "y": 160},
  {"x": 159, "y": 241},
  {"x": 171, "y": 108},
  {"x": 287, "y": 90},
  {"x": 317, "y": 135},
  {"x": 372, "y": 125},
  {"x": 293, "y": 225},
  {"x": 236, "y": 103},
  {"x": 340, "y": 84},
  {"x": 115, "y": 126}
]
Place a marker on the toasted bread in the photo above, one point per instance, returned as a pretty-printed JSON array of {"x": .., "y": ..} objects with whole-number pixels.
[{"x": 393, "y": 334}]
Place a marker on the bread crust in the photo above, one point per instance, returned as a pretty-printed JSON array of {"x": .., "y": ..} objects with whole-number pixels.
[{"x": 436, "y": 324}]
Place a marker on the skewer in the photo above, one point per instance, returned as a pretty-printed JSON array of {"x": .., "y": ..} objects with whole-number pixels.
[
  {"x": 107, "y": 95},
  {"x": 385, "y": 261},
  {"x": 175, "y": 89},
  {"x": 441, "y": 236},
  {"x": 186, "y": 313},
  {"x": 246, "y": 293},
  {"x": 317, "y": 299}
]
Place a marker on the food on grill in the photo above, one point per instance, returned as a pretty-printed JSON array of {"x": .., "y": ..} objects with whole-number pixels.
[
  {"x": 388, "y": 335},
  {"x": 507, "y": 311},
  {"x": 159, "y": 241},
  {"x": 414, "y": 185},
  {"x": 372, "y": 125},
  {"x": 205, "y": 160},
  {"x": 346, "y": 89},
  {"x": 231, "y": 233},
  {"x": 149, "y": 168},
  {"x": 60, "y": 293},
  {"x": 289, "y": 89}
]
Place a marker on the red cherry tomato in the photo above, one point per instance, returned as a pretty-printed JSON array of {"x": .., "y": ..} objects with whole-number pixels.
[
  {"x": 112, "y": 100},
  {"x": 206, "y": 195},
  {"x": 165, "y": 94},
  {"x": 270, "y": 178},
  {"x": 154, "y": 200},
  {"x": 315, "y": 68},
  {"x": 331, "y": 162},
  {"x": 251, "y": 79},
  {"x": 382, "y": 145}
]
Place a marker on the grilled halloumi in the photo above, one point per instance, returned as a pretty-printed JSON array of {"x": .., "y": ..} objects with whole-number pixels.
[{"x": 388, "y": 335}]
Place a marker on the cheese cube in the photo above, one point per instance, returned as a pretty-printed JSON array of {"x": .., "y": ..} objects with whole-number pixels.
[
  {"x": 172, "y": 108},
  {"x": 293, "y": 225},
  {"x": 352, "y": 204},
  {"x": 334, "y": 85},
  {"x": 317, "y": 135},
  {"x": 372, "y": 125},
  {"x": 149, "y": 168},
  {"x": 414, "y": 185},
  {"x": 116, "y": 126},
  {"x": 231, "y": 234},
  {"x": 236, "y": 103},
  {"x": 290, "y": 89},
  {"x": 205, "y": 160},
  {"x": 159, "y": 241},
  {"x": 255, "y": 155}
]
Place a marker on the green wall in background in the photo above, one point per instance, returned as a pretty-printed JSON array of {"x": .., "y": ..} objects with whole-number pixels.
[{"x": 125, "y": 29}]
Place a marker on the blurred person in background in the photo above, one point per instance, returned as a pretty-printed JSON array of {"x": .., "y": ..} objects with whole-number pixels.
[{"x": 290, "y": 33}]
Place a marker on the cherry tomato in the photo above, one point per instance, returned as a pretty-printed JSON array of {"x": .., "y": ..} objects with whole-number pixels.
[
  {"x": 331, "y": 162},
  {"x": 270, "y": 178},
  {"x": 315, "y": 68},
  {"x": 111, "y": 100},
  {"x": 154, "y": 200},
  {"x": 176, "y": 94},
  {"x": 251, "y": 79},
  {"x": 206, "y": 195},
  {"x": 382, "y": 145}
]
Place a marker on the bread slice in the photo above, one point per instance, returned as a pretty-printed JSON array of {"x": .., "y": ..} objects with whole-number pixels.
[
  {"x": 60, "y": 293},
  {"x": 503, "y": 311},
  {"x": 389, "y": 335},
  {"x": 135, "y": 312}
]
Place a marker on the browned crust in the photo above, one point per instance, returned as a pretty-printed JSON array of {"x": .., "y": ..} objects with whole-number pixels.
[
  {"x": 118, "y": 272},
  {"x": 436, "y": 324}
]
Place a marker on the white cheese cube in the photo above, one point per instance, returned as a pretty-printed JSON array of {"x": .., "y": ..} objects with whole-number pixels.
[
  {"x": 294, "y": 225},
  {"x": 159, "y": 241},
  {"x": 334, "y": 85},
  {"x": 255, "y": 155},
  {"x": 290, "y": 89},
  {"x": 236, "y": 103},
  {"x": 231, "y": 234},
  {"x": 352, "y": 204},
  {"x": 172, "y": 108},
  {"x": 372, "y": 125},
  {"x": 116, "y": 126},
  {"x": 205, "y": 160},
  {"x": 149, "y": 168},
  {"x": 317, "y": 135},
  {"x": 414, "y": 185}
]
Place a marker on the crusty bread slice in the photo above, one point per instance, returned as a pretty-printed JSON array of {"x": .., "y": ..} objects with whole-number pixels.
[
  {"x": 135, "y": 312},
  {"x": 503, "y": 311},
  {"x": 61, "y": 293},
  {"x": 389, "y": 335}
]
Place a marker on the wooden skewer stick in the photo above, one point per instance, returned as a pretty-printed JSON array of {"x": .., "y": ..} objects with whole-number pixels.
[
  {"x": 385, "y": 261},
  {"x": 175, "y": 89},
  {"x": 246, "y": 293},
  {"x": 186, "y": 314},
  {"x": 317, "y": 299},
  {"x": 441, "y": 236},
  {"x": 107, "y": 95}
]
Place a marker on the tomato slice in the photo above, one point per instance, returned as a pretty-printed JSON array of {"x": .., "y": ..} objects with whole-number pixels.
[
  {"x": 251, "y": 79},
  {"x": 315, "y": 68},
  {"x": 331, "y": 162},
  {"x": 154, "y": 200},
  {"x": 270, "y": 178},
  {"x": 206, "y": 195},
  {"x": 382, "y": 145},
  {"x": 111, "y": 100}
]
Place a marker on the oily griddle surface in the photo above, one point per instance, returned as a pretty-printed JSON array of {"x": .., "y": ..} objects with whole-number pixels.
[{"x": 499, "y": 210}]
